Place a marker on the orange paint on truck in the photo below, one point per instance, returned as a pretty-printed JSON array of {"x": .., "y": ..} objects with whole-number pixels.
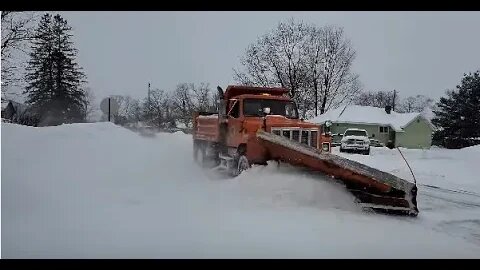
[{"x": 242, "y": 127}]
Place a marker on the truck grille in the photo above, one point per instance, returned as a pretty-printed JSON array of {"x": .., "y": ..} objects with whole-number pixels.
[
  {"x": 354, "y": 141},
  {"x": 296, "y": 135},
  {"x": 313, "y": 138},
  {"x": 305, "y": 136}
]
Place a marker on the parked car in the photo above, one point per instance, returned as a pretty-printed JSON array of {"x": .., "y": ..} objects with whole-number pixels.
[
  {"x": 355, "y": 140},
  {"x": 336, "y": 137},
  {"x": 376, "y": 143}
]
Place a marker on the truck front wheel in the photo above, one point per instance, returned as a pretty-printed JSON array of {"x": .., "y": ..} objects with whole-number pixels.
[{"x": 242, "y": 164}]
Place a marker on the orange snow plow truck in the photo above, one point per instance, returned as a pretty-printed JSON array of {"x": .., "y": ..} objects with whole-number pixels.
[{"x": 256, "y": 124}]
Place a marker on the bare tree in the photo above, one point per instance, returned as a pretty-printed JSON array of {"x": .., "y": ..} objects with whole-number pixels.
[
  {"x": 383, "y": 98},
  {"x": 416, "y": 103},
  {"x": 408, "y": 104},
  {"x": 17, "y": 31},
  {"x": 201, "y": 96},
  {"x": 129, "y": 109},
  {"x": 89, "y": 103},
  {"x": 188, "y": 98},
  {"x": 214, "y": 102},
  {"x": 182, "y": 103},
  {"x": 155, "y": 111},
  {"x": 375, "y": 99},
  {"x": 169, "y": 112},
  {"x": 276, "y": 59},
  {"x": 313, "y": 63},
  {"x": 135, "y": 113},
  {"x": 331, "y": 75}
]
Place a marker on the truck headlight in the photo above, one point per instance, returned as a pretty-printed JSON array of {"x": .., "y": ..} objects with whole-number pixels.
[{"x": 326, "y": 147}]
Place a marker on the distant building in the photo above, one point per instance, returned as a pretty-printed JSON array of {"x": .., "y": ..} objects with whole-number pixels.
[
  {"x": 409, "y": 130},
  {"x": 15, "y": 112}
]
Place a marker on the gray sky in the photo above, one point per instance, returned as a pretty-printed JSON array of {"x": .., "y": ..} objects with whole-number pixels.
[{"x": 413, "y": 52}]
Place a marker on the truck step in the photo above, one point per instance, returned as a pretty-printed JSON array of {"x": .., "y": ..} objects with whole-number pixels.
[{"x": 224, "y": 157}]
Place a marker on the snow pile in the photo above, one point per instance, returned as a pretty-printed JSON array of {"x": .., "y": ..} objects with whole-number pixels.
[
  {"x": 101, "y": 191},
  {"x": 366, "y": 115}
]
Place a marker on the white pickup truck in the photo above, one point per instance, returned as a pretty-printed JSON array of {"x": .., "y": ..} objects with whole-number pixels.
[{"x": 355, "y": 140}]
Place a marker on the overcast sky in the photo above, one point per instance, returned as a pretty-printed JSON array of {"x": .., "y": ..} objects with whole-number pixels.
[{"x": 412, "y": 52}]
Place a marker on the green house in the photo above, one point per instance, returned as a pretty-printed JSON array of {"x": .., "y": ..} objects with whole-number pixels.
[{"x": 409, "y": 130}]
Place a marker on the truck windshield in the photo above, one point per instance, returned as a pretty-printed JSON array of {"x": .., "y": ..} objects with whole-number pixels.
[
  {"x": 254, "y": 107},
  {"x": 355, "y": 133}
]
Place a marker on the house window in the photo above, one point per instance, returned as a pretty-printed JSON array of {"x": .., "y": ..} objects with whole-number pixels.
[{"x": 383, "y": 129}]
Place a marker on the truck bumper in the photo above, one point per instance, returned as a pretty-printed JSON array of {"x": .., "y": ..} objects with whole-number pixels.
[{"x": 354, "y": 147}]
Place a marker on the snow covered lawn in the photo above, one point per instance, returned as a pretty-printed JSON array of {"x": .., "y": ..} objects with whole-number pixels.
[
  {"x": 446, "y": 168},
  {"x": 102, "y": 191}
]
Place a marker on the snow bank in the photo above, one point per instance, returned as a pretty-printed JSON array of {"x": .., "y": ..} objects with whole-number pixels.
[
  {"x": 448, "y": 183},
  {"x": 101, "y": 191}
]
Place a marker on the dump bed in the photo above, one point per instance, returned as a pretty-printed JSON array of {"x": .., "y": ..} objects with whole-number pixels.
[{"x": 206, "y": 127}]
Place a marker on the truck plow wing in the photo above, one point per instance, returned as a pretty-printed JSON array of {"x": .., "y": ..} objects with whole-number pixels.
[{"x": 373, "y": 188}]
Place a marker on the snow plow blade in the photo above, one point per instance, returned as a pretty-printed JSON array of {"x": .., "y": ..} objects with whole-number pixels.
[{"x": 374, "y": 189}]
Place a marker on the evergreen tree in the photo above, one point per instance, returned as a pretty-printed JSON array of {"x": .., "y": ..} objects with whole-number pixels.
[
  {"x": 54, "y": 78},
  {"x": 458, "y": 115}
]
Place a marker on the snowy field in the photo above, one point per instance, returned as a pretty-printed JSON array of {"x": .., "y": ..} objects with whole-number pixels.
[{"x": 102, "y": 191}]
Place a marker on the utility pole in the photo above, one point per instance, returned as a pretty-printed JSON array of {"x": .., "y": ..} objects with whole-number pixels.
[
  {"x": 149, "y": 95},
  {"x": 394, "y": 96}
]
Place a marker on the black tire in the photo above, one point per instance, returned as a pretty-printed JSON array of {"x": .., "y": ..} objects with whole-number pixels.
[{"x": 241, "y": 164}]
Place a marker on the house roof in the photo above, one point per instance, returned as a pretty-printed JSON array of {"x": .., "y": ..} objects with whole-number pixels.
[
  {"x": 19, "y": 108},
  {"x": 4, "y": 104},
  {"x": 367, "y": 115}
]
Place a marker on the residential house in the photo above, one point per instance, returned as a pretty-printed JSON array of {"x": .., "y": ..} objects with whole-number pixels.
[
  {"x": 409, "y": 130},
  {"x": 15, "y": 112}
]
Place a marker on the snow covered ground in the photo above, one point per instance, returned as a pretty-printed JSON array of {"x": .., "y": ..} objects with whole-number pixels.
[{"x": 102, "y": 191}]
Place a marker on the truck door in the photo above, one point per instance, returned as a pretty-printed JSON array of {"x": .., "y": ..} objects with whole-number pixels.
[{"x": 234, "y": 134}]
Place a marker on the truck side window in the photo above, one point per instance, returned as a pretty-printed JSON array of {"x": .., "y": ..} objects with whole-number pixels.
[{"x": 235, "y": 111}]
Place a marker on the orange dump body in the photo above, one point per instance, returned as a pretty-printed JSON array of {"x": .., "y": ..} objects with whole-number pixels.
[{"x": 206, "y": 127}]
